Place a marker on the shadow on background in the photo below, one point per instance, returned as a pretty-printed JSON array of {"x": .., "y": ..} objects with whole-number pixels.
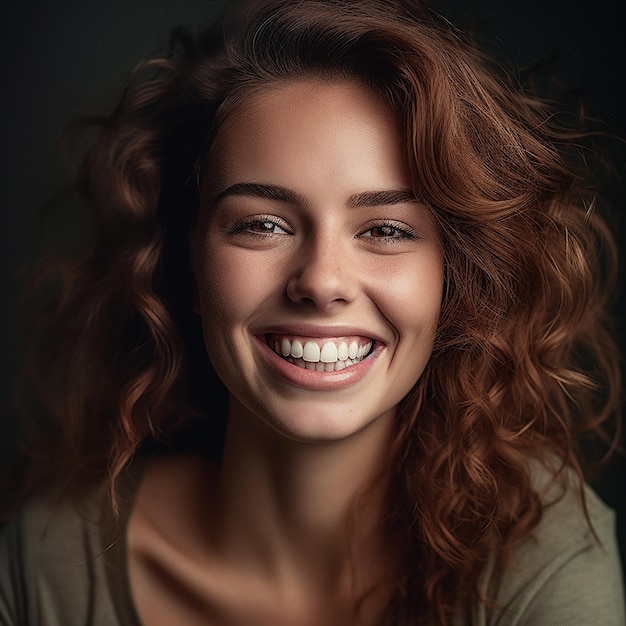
[{"x": 63, "y": 59}]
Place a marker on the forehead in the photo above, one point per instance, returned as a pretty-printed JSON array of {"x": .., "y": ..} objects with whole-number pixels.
[{"x": 309, "y": 129}]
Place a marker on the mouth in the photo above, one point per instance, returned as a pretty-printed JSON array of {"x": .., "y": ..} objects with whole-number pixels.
[{"x": 321, "y": 354}]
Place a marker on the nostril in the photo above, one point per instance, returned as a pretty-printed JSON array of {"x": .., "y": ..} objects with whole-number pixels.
[{"x": 320, "y": 288}]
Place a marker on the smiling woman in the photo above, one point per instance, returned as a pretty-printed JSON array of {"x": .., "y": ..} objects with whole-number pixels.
[
  {"x": 329, "y": 352},
  {"x": 311, "y": 208}
]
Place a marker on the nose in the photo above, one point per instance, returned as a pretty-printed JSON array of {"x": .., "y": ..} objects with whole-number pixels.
[{"x": 323, "y": 276}]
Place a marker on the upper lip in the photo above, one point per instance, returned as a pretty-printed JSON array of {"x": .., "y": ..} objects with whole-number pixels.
[{"x": 319, "y": 331}]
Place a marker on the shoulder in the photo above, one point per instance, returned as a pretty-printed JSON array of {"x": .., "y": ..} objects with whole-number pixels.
[
  {"x": 563, "y": 572},
  {"x": 53, "y": 566}
]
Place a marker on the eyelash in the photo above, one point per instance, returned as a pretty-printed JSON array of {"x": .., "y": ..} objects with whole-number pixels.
[
  {"x": 405, "y": 231},
  {"x": 246, "y": 225}
]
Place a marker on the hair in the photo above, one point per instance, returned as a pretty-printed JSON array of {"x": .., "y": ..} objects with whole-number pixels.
[{"x": 523, "y": 361}]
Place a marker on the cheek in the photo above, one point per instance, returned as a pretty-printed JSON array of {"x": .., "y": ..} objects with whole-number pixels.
[
  {"x": 218, "y": 288},
  {"x": 414, "y": 312},
  {"x": 412, "y": 296},
  {"x": 222, "y": 298},
  {"x": 230, "y": 284}
]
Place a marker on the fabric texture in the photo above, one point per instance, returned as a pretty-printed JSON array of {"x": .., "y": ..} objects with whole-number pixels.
[{"x": 65, "y": 565}]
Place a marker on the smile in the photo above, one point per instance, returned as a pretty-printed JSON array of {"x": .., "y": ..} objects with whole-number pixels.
[{"x": 321, "y": 355}]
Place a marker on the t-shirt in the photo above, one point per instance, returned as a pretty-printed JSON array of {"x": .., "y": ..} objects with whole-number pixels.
[{"x": 64, "y": 565}]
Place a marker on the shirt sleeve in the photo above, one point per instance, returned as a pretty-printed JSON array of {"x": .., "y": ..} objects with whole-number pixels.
[
  {"x": 564, "y": 573},
  {"x": 581, "y": 587},
  {"x": 53, "y": 570},
  {"x": 13, "y": 602}
]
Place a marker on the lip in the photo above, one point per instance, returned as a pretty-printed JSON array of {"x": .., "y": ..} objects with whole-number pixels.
[{"x": 309, "y": 379}]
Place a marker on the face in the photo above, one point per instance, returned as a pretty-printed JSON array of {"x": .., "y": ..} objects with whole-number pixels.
[{"x": 319, "y": 275}]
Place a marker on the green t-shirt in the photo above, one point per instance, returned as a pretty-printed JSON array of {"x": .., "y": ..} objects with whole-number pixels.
[{"x": 60, "y": 566}]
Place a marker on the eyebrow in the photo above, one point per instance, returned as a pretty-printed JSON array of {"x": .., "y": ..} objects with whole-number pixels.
[
  {"x": 282, "y": 194},
  {"x": 382, "y": 198},
  {"x": 261, "y": 190}
]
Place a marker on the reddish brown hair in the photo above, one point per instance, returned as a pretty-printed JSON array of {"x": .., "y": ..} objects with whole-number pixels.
[{"x": 522, "y": 360}]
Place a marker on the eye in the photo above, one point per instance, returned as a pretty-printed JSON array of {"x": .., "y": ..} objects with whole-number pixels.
[
  {"x": 262, "y": 226},
  {"x": 388, "y": 231},
  {"x": 266, "y": 227}
]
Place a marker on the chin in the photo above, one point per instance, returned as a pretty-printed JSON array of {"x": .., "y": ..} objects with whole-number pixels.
[{"x": 323, "y": 424}]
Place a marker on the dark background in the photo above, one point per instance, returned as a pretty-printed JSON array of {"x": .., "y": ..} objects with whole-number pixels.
[{"x": 63, "y": 59}]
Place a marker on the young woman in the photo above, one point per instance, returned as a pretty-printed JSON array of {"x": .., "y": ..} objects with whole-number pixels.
[{"x": 326, "y": 356}]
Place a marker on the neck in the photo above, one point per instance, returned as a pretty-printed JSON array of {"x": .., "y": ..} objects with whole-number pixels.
[{"x": 289, "y": 507}]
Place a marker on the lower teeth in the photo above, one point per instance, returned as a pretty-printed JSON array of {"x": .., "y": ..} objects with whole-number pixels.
[{"x": 323, "y": 367}]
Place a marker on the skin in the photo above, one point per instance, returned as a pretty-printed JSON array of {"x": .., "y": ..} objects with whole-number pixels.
[
  {"x": 314, "y": 251},
  {"x": 324, "y": 265}
]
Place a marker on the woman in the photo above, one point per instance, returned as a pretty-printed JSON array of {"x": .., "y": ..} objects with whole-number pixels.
[{"x": 323, "y": 361}]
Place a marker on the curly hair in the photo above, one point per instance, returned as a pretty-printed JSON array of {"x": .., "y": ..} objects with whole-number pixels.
[{"x": 523, "y": 358}]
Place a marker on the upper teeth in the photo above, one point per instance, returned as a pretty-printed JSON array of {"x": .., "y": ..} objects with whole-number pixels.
[{"x": 327, "y": 352}]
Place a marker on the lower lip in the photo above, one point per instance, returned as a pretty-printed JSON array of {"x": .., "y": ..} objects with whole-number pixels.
[{"x": 311, "y": 379}]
